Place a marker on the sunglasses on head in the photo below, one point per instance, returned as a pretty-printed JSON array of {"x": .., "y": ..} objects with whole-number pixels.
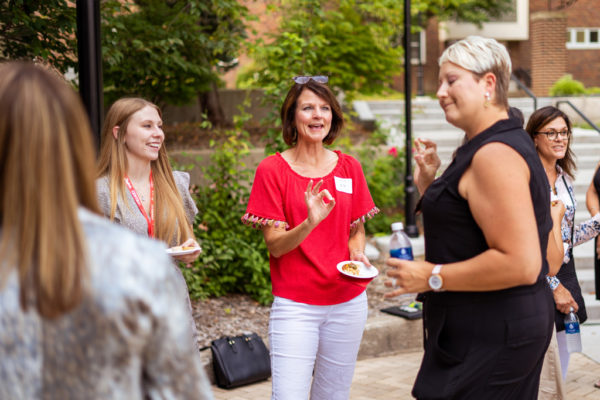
[{"x": 317, "y": 78}]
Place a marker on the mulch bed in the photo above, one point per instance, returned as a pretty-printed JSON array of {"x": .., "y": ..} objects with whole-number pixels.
[{"x": 235, "y": 314}]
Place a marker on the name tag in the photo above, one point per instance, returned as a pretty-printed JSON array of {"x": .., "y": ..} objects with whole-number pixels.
[{"x": 343, "y": 184}]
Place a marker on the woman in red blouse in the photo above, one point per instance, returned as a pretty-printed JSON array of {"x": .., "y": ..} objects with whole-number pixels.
[{"x": 310, "y": 203}]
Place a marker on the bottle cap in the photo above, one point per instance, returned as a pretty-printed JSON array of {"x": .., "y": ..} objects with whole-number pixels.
[{"x": 397, "y": 226}]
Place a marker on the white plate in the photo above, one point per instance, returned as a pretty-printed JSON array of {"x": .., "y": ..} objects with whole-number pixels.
[
  {"x": 364, "y": 271},
  {"x": 175, "y": 252}
]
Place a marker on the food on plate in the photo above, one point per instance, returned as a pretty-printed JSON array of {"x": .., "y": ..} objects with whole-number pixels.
[
  {"x": 351, "y": 268},
  {"x": 181, "y": 248}
]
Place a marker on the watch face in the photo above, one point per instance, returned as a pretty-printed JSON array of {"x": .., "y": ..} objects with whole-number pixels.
[{"x": 435, "y": 282}]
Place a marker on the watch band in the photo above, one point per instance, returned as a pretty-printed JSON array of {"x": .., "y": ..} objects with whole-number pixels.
[{"x": 553, "y": 282}]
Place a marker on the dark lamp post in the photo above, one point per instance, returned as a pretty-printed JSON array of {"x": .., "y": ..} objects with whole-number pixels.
[
  {"x": 409, "y": 188},
  {"x": 90, "y": 62}
]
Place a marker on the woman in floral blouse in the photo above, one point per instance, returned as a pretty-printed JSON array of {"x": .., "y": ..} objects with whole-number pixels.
[{"x": 551, "y": 132}]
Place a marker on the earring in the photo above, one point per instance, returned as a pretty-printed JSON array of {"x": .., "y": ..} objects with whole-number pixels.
[{"x": 486, "y": 104}]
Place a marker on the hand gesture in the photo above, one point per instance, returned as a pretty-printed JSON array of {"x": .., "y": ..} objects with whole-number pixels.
[
  {"x": 407, "y": 276},
  {"x": 427, "y": 163},
  {"x": 563, "y": 299},
  {"x": 318, "y": 203}
]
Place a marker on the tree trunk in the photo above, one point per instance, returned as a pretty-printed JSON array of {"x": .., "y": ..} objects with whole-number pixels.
[{"x": 210, "y": 105}]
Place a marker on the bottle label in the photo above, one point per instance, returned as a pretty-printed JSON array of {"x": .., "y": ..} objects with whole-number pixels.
[
  {"x": 571, "y": 327},
  {"x": 404, "y": 253}
]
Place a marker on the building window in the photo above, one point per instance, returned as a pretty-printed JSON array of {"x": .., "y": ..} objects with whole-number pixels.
[{"x": 583, "y": 38}]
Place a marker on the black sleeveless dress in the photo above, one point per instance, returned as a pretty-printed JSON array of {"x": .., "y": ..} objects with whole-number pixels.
[
  {"x": 483, "y": 345},
  {"x": 596, "y": 261}
]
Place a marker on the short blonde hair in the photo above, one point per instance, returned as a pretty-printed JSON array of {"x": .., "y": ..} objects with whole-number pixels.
[{"x": 482, "y": 55}]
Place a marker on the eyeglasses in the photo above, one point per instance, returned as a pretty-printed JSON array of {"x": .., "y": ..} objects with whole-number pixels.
[
  {"x": 317, "y": 78},
  {"x": 554, "y": 134}
]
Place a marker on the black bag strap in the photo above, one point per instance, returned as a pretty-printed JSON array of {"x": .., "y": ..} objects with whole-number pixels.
[{"x": 574, "y": 210}]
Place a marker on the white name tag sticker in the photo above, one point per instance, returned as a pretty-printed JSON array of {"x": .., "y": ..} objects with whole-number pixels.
[{"x": 343, "y": 184}]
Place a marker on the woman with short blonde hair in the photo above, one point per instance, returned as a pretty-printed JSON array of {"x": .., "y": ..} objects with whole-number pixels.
[{"x": 487, "y": 311}]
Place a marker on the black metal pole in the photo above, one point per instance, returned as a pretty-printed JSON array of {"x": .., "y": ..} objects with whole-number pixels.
[
  {"x": 90, "y": 62},
  {"x": 409, "y": 188}
]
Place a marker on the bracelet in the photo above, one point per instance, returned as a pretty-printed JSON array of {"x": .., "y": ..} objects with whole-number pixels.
[{"x": 553, "y": 282}]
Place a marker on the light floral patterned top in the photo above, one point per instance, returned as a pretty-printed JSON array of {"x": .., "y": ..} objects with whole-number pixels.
[
  {"x": 128, "y": 339},
  {"x": 582, "y": 232}
]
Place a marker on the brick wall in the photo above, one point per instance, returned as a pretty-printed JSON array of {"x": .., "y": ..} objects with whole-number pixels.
[
  {"x": 584, "y": 64},
  {"x": 548, "y": 51}
]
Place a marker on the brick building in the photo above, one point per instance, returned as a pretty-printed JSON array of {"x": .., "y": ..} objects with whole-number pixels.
[{"x": 545, "y": 38}]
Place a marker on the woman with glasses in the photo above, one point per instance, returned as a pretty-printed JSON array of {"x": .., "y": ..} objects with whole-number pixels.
[
  {"x": 310, "y": 203},
  {"x": 550, "y": 130},
  {"x": 487, "y": 312}
]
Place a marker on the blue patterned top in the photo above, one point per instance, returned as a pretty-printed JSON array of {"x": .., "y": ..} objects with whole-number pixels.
[{"x": 584, "y": 231}]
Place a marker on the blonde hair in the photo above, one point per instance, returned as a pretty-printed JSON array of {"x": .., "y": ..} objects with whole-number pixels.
[
  {"x": 46, "y": 174},
  {"x": 170, "y": 218},
  {"x": 480, "y": 56}
]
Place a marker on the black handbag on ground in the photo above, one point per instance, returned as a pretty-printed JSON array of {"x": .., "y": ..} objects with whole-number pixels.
[{"x": 240, "y": 360}]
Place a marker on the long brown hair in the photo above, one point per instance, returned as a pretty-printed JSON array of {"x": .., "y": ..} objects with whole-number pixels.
[
  {"x": 544, "y": 116},
  {"x": 46, "y": 174},
  {"x": 170, "y": 220}
]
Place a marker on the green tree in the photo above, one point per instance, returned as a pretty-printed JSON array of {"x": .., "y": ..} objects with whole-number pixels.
[
  {"x": 167, "y": 51},
  {"x": 356, "y": 42},
  {"x": 43, "y": 29}
]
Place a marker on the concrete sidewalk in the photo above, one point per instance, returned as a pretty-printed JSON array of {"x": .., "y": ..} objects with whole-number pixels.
[{"x": 392, "y": 377}]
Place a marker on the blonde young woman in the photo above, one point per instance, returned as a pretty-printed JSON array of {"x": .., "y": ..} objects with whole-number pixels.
[
  {"x": 487, "y": 309},
  {"x": 136, "y": 186},
  {"x": 81, "y": 314}
]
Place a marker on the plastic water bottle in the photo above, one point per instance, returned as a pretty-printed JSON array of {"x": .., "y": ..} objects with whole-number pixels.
[
  {"x": 572, "y": 332},
  {"x": 400, "y": 246}
]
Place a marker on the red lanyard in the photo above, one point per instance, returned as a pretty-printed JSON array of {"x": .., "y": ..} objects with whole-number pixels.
[{"x": 136, "y": 198}]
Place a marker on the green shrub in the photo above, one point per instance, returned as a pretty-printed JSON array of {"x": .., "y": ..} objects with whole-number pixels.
[
  {"x": 384, "y": 171},
  {"x": 592, "y": 90},
  {"x": 567, "y": 86},
  {"x": 235, "y": 258}
]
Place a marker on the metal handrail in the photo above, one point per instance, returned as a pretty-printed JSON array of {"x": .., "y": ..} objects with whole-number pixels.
[
  {"x": 522, "y": 86},
  {"x": 582, "y": 115}
]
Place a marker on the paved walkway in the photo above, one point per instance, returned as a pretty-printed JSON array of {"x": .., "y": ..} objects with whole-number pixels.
[{"x": 392, "y": 377}]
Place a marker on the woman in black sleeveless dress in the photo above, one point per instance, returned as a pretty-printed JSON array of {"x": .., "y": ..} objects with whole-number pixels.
[{"x": 487, "y": 311}]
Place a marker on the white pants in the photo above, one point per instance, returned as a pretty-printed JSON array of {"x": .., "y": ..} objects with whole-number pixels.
[
  {"x": 322, "y": 339},
  {"x": 561, "y": 340}
]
